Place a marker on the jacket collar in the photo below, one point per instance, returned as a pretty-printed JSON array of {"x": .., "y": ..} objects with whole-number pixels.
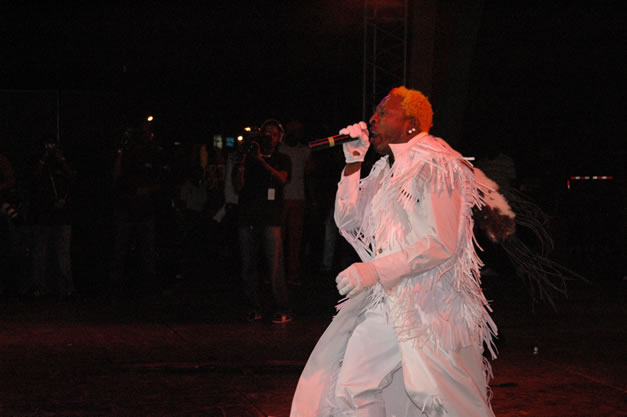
[{"x": 399, "y": 150}]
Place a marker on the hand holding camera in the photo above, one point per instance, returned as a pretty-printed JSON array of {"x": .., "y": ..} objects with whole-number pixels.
[
  {"x": 51, "y": 152},
  {"x": 253, "y": 149}
]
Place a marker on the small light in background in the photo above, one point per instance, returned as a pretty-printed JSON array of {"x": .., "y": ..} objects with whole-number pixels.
[{"x": 150, "y": 118}]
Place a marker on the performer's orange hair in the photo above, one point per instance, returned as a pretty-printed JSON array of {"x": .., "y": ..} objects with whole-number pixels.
[{"x": 416, "y": 105}]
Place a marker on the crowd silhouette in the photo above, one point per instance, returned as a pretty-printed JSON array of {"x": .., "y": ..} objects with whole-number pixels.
[
  {"x": 134, "y": 212},
  {"x": 149, "y": 212}
]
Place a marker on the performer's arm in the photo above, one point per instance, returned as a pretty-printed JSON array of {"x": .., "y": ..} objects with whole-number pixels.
[
  {"x": 352, "y": 168},
  {"x": 349, "y": 210}
]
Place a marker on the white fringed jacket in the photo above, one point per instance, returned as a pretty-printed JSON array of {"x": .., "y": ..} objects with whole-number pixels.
[{"x": 413, "y": 222}]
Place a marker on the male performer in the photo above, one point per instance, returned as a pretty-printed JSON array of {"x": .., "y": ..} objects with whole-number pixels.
[{"x": 408, "y": 340}]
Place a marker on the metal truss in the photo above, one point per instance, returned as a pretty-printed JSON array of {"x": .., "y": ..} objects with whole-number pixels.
[{"x": 385, "y": 50}]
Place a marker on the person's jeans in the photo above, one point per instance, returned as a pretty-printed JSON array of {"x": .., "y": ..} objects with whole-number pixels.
[
  {"x": 57, "y": 238},
  {"x": 293, "y": 221},
  {"x": 267, "y": 238},
  {"x": 143, "y": 234}
]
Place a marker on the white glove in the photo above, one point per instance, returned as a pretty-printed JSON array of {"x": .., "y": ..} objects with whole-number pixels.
[
  {"x": 355, "y": 151},
  {"x": 356, "y": 278}
]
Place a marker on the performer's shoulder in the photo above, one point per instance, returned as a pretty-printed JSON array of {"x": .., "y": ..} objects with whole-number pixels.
[{"x": 434, "y": 144}]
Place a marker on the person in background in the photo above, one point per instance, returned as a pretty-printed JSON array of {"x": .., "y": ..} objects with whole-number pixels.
[
  {"x": 191, "y": 228},
  {"x": 322, "y": 231},
  {"x": 50, "y": 216},
  {"x": 137, "y": 184},
  {"x": 260, "y": 179},
  {"x": 226, "y": 216},
  {"x": 9, "y": 214},
  {"x": 294, "y": 199}
]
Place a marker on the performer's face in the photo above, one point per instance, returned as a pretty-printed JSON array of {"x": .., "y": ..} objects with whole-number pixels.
[{"x": 388, "y": 124}]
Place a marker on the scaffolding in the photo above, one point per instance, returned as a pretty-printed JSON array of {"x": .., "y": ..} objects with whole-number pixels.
[{"x": 385, "y": 50}]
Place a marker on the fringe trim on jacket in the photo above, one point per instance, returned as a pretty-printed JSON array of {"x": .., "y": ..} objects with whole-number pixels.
[{"x": 415, "y": 312}]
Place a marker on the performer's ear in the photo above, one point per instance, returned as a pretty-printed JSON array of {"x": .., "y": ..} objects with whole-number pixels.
[{"x": 414, "y": 124}]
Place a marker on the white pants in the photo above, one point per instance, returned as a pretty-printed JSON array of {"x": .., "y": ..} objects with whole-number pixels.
[{"x": 372, "y": 356}]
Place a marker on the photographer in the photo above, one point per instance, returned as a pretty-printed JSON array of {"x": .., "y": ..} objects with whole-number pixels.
[
  {"x": 259, "y": 180},
  {"x": 138, "y": 181},
  {"x": 7, "y": 188},
  {"x": 51, "y": 219},
  {"x": 8, "y": 214}
]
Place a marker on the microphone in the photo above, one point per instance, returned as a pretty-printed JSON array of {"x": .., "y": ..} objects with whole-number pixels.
[{"x": 329, "y": 142}]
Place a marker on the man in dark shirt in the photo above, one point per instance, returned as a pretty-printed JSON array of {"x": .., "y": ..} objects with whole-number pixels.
[
  {"x": 138, "y": 178},
  {"x": 8, "y": 214},
  {"x": 51, "y": 221},
  {"x": 259, "y": 180}
]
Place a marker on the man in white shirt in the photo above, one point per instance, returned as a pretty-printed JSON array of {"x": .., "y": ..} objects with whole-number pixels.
[
  {"x": 294, "y": 200},
  {"x": 408, "y": 339}
]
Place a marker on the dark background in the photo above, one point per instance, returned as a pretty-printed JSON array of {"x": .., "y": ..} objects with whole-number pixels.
[
  {"x": 542, "y": 75},
  {"x": 210, "y": 68},
  {"x": 546, "y": 84}
]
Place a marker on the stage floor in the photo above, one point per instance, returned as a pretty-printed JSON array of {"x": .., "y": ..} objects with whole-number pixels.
[{"x": 184, "y": 352}]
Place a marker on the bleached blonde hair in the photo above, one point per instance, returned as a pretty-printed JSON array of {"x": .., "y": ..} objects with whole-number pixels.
[{"x": 416, "y": 105}]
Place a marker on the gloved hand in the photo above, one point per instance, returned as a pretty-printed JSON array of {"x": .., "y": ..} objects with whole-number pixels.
[
  {"x": 355, "y": 151},
  {"x": 356, "y": 278}
]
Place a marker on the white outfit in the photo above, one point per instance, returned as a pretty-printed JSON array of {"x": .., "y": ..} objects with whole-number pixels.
[{"x": 414, "y": 340}]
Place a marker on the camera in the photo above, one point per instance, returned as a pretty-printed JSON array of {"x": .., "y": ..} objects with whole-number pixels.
[{"x": 255, "y": 139}]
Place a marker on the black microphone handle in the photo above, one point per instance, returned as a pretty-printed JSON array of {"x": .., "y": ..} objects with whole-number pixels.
[{"x": 329, "y": 142}]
